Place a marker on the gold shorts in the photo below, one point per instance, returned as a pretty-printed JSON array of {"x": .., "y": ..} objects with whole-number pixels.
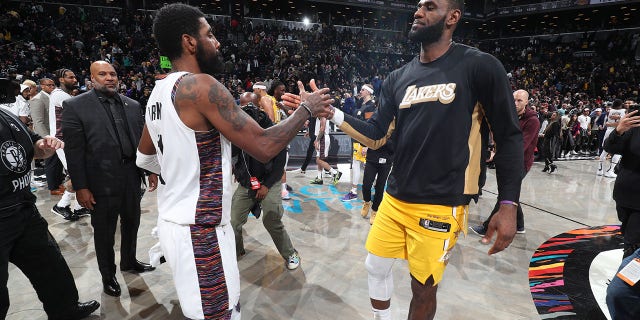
[
  {"x": 357, "y": 152},
  {"x": 422, "y": 234}
]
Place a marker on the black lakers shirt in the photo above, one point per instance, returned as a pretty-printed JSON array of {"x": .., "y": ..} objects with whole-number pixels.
[{"x": 443, "y": 110}]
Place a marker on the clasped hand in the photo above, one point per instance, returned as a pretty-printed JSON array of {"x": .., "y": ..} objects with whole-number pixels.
[
  {"x": 51, "y": 143},
  {"x": 318, "y": 100}
]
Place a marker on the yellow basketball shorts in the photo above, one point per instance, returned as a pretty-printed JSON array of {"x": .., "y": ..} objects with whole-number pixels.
[
  {"x": 357, "y": 152},
  {"x": 422, "y": 234}
]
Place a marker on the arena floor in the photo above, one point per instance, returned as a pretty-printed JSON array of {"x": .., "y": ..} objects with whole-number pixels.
[{"x": 331, "y": 282}]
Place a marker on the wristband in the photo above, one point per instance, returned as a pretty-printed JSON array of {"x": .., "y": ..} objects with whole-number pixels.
[
  {"x": 508, "y": 202},
  {"x": 304, "y": 105},
  {"x": 332, "y": 112}
]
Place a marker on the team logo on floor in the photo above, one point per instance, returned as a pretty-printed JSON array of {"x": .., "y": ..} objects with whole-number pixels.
[
  {"x": 569, "y": 273},
  {"x": 14, "y": 157}
]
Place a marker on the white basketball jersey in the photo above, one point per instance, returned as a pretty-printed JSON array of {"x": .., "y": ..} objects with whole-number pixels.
[
  {"x": 196, "y": 185},
  {"x": 615, "y": 112},
  {"x": 56, "y": 98}
]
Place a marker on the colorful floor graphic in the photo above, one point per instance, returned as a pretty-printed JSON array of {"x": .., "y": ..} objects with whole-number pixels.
[{"x": 568, "y": 274}]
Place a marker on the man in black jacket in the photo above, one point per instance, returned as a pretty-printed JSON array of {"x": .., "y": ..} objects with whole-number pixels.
[
  {"x": 24, "y": 238},
  {"x": 102, "y": 129},
  {"x": 258, "y": 189},
  {"x": 623, "y": 299}
]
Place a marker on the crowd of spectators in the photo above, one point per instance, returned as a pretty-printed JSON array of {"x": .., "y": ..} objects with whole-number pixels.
[{"x": 39, "y": 38}]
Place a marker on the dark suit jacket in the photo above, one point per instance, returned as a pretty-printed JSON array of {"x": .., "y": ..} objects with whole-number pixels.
[{"x": 92, "y": 148}]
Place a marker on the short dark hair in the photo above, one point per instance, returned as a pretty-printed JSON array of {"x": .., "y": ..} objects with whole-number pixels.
[
  {"x": 170, "y": 23},
  {"x": 617, "y": 103},
  {"x": 457, "y": 4},
  {"x": 60, "y": 73},
  {"x": 276, "y": 83}
]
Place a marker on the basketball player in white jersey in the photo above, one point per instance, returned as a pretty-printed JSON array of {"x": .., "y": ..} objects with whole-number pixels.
[
  {"x": 613, "y": 117},
  {"x": 191, "y": 121},
  {"x": 68, "y": 82}
]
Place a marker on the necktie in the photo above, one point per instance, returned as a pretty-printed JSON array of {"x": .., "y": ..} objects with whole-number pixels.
[{"x": 121, "y": 128}]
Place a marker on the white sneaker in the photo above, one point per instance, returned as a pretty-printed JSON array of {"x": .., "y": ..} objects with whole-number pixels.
[
  {"x": 285, "y": 195},
  {"x": 610, "y": 174},
  {"x": 294, "y": 261},
  {"x": 38, "y": 184},
  {"x": 600, "y": 171}
]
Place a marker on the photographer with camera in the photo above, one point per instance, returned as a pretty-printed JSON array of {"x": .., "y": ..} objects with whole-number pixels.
[{"x": 258, "y": 189}]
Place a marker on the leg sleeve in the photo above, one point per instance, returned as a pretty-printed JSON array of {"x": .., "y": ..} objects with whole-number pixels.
[{"x": 380, "y": 277}]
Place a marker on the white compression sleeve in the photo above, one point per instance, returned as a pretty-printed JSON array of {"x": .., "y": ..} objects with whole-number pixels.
[
  {"x": 148, "y": 162},
  {"x": 380, "y": 277}
]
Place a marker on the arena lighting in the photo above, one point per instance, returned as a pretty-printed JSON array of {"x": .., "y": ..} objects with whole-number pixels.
[{"x": 306, "y": 21}]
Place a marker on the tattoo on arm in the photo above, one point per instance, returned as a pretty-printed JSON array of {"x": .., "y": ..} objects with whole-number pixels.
[
  {"x": 285, "y": 130},
  {"x": 186, "y": 92},
  {"x": 220, "y": 97}
]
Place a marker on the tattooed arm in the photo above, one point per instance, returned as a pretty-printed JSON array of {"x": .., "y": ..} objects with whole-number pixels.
[{"x": 202, "y": 103}]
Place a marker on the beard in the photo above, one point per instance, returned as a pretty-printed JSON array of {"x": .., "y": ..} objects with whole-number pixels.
[
  {"x": 210, "y": 63},
  {"x": 428, "y": 34}
]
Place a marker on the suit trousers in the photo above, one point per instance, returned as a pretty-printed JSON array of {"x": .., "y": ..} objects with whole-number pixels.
[
  {"x": 272, "y": 212},
  {"x": 124, "y": 203},
  {"x": 26, "y": 242}
]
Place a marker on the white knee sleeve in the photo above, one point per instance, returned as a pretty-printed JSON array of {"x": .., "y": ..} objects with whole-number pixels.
[{"x": 380, "y": 277}]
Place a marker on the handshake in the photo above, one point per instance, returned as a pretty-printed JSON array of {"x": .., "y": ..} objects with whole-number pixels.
[{"x": 317, "y": 102}]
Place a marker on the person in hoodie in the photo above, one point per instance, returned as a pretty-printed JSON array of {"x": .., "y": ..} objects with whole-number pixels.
[{"x": 530, "y": 126}]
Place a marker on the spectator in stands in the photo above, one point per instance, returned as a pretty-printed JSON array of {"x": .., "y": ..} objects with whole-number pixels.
[
  {"x": 349, "y": 104},
  {"x": 585, "y": 131},
  {"x": 21, "y": 106},
  {"x": 552, "y": 136},
  {"x": 599, "y": 122}
]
